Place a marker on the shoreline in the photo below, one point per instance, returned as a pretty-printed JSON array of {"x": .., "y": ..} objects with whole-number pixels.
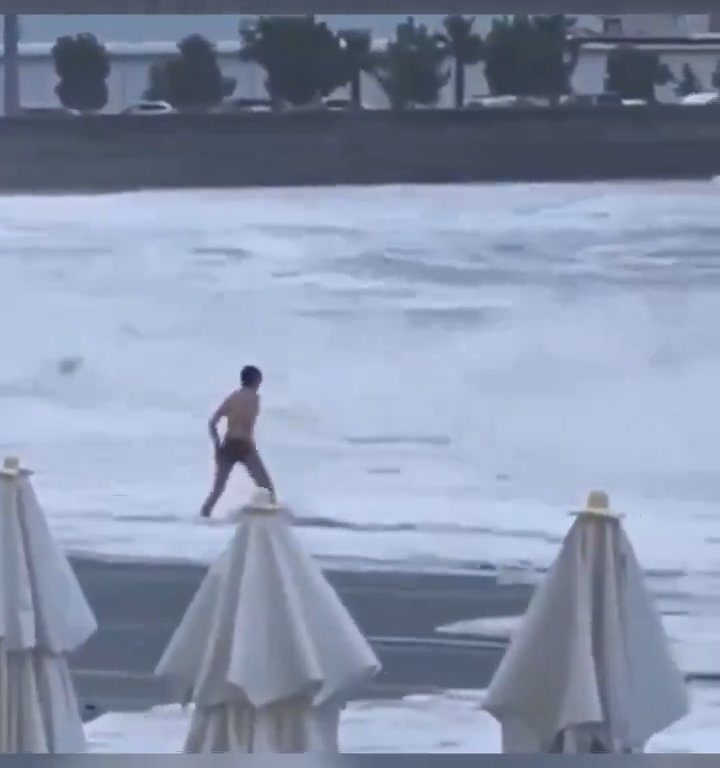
[{"x": 334, "y": 564}]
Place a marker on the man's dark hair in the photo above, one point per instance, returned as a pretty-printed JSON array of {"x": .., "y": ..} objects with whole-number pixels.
[{"x": 250, "y": 376}]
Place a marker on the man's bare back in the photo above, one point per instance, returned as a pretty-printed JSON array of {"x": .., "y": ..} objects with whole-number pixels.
[{"x": 240, "y": 410}]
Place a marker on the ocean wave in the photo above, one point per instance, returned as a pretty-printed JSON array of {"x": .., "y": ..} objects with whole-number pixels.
[
  {"x": 230, "y": 252},
  {"x": 375, "y": 440},
  {"x": 411, "y": 267},
  {"x": 431, "y": 528},
  {"x": 414, "y": 341}
]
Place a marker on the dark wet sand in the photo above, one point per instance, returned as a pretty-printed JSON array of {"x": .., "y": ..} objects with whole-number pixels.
[{"x": 138, "y": 606}]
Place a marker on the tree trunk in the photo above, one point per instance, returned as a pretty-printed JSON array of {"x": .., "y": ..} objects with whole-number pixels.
[
  {"x": 459, "y": 84},
  {"x": 355, "y": 91}
]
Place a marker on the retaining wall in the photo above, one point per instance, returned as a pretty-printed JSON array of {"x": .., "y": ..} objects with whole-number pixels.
[{"x": 424, "y": 146}]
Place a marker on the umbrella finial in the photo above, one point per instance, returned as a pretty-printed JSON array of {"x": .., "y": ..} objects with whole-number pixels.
[
  {"x": 11, "y": 467},
  {"x": 598, "y": 501},
  {"x": 12, "y": 463},
  {"x": 598, "y": 504}
]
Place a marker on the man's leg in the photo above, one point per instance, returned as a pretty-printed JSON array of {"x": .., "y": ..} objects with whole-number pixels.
[
  {"x": 222, "y": 473},
  {"x": 257, "y": 471}
]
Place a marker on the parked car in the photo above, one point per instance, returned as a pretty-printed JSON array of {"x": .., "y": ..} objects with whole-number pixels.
[
  {"x": 505, "y": 102},
  {"x": 577, "y": 100},
  {"x": 149, "y": 108},
  {"x": 316, "y": 105},
  {"x": 342, "y": 105},
  {"x": 609, "y": 98},
  {"x": 701, "y": 99},
  {"x": 47, "y": 111},
  {"x": 241, "y": 104},
  {"x": 320, "y": 105},
  {"x": 589, "y": 99}
]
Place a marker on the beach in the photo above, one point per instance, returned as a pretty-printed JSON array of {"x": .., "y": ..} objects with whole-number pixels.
[
  {"x": 139, "y": 605},
  {"x": 427, "y": 699},
  {"x": 448, "y": 371}
]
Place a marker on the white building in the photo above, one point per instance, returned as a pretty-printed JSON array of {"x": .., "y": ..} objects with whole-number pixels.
[
  {"x": 702, "y": 53},
  {"x": 655, "y": 24}
]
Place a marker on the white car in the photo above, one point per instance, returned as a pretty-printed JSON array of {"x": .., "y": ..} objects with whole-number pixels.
[
  {"x": 49, "y": 111},
  {"x": 505, "y": 102},
  {"x": 150, "y": 108},
  {"x": 240, "y": 105},
  {"x": 342, "y": 105},
  {"x": 700, "y": 99}
]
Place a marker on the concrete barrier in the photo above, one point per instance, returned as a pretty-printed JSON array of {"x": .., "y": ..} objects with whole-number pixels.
[{"x": 106, "y": 153}]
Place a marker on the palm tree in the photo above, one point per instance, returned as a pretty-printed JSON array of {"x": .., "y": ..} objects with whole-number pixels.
[
  {"x": 716, "y": 76},
  {"x": 465, "y": 47},
  {"x": 358, "y": 45},
  {"x": 689, "y": 82},
  {"x": 531, "y": 56}
]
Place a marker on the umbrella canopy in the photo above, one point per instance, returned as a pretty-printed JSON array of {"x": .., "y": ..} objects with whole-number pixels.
[
  {"x": 589, "y": 669},
  {"x": 266, "y": 650},
  {"x": 43, "y": 617}
]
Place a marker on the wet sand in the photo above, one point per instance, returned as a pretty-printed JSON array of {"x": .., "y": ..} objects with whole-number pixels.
[{"x": 138, "y": 606}]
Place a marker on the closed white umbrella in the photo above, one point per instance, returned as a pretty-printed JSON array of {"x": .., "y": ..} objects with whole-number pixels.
[
  {"x": 589, "y": 669},
  {"x": 43, "y": 617},
  {"x": 266, "y": 650}
]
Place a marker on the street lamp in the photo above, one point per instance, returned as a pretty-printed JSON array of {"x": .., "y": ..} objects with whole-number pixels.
[{"x": 11, "y": 36}]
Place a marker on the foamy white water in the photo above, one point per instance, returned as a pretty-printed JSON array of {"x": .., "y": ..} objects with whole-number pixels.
[
  {"x": 449, "y": 721},
  {"x": 448, "y": 370}
]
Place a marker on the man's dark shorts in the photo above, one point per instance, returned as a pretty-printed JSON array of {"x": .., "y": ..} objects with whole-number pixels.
[{"x": 235, "y": 450}]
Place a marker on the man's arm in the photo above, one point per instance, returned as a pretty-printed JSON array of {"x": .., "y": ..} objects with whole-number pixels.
[
  {"x": 252, "y": 415},
  {"x": 213, "y": 423}
]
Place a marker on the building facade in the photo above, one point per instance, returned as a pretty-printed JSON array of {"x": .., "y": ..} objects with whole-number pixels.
[{"x": 654, "y": 24}]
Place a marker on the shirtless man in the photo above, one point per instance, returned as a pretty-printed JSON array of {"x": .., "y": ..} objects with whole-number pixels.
[{"x": 240, "y": 410}]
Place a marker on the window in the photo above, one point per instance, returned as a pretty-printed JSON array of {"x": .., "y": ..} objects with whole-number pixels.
[{"x": 612, "y": 25}]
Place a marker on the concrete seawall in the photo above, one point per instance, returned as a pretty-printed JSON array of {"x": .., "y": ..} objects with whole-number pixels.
[{"x": 107, "y": 153}]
